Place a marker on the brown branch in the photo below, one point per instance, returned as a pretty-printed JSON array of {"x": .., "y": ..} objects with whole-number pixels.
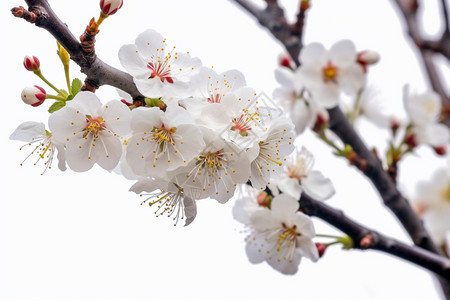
[
  {"x": 273, "y": 18},
  {"x": 98, "y": 73},
  {"x": 365, "y": 238},
  {"x": 384, "y": 184}
]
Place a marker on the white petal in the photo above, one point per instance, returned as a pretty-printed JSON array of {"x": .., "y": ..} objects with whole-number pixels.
[
  {"x": 343, "y": 53},
  {"x": 318, "y": 186},
  {"x": 313, "y": 54},
  {"x": 27, "y": 131}
]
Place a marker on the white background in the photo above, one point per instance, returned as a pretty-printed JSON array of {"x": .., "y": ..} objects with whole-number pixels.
[{"x": 84, "y": 236}]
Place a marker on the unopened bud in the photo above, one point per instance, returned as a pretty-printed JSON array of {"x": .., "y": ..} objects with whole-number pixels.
[
  {"x": 33, "y": 95},
  {"x": 440, "y": 150},
  {"x": 367, "y": 57},
  {"x": 264, "y": 199},
  {"x": 285, "y": 60},
  {"x": 321, "y": 248},
  {"x": 63, "y": 54},
  {"x": 411, "y": 140},
  {"x": 321, "y": 122},
  {"x": 31, "y": 63},
  {"x": 110, "y": 7}
]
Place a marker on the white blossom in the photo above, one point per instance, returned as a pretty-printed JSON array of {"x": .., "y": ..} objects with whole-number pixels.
[
  {"x": 41, "y": 142},
  {"x": 162, "y": 141},
  {"x": 91, "y": 131},
  {"x": 170, "y": 198},
  {"x": 218, "y": 168},
  {"x": 270, "y": 152},
  {"x": 433, "y": 203},
  {"x": 298, "y": 176},
  {"x": 326, "y": 73},
  {"x": 423, "y": 111},
  {"x": 281, "y": 236},
  {"x": 156, "y": 70}
]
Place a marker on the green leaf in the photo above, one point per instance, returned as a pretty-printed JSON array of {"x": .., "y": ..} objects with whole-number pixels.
[
  {"x": 63, "y": 94},
  {"x": 76, "y": 86},
  {"x": 56, "y": 106}
]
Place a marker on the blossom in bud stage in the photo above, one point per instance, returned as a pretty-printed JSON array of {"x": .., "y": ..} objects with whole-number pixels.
[
  {"x": 169, "y": 197},
  {"x": 45, "y": 146},
  {"x": 281, "y": 236},
  {"x": 156, "y": 71},
  {"x": 33, "y": 95},
  {"x": 440, "y": 150},
  {"x": 268, "y": 155},
  {"x": 423, "y": 111},
  {"x": 326, "y": 73},
  {"x": 162, "y": 141},
  {"x": 31, "y": 63},
  {"x": 91, "y": 131},
  {"x": 366, "y": 58},
  {"x": 110, "y": 7},
  {"x": 285, "y": 60},
  {"x": 321, "y": 248},
  {"x": 433, "y": 203},
  {"x": 298, "y": 176}
]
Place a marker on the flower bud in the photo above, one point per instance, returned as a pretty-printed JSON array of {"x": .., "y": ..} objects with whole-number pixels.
[
  {"x": 110, "y": 7},
  {"x": 31, "y": 63},
  {"x": 411, "y": 140},
  {"x": 440, "y": 150},
  {"x": 321, "y": 248},
  {"x": 33, "y": 95},
  {"x": 63, "y": 54},
  {"x": 367, "y": 57},
  {"x": 285, "y": 60},
  {"x": 264, "y": 199}
]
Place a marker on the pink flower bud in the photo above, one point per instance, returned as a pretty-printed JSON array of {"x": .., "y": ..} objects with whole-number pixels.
[
  {"x": 110, "y": 7},
  {"x": 33, "y": 95},
  {"x": 31, "y": 63},
  {"x": 411, "y": 140}
]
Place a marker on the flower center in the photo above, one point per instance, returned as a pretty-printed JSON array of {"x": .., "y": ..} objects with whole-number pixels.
[
  {"x": 329, "y": 72},
  {"x": 93, "y": 125},
  {"x": 168, "y": 203},
  {"x": 163, "y": 137},
  {"x": 160, "y": 70},
  {"x": 214, "y": 98},
  {"x": 287, "y": 237},
  {"x": 241, "y": 124},
  {"x": 298, "y": 170}
]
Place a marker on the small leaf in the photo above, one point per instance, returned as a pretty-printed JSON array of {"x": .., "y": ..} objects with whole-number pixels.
[
  {"x": 76, "y": 86},
  {"x": 63, "y": 94},
  {"x": 56, "y": 106}
]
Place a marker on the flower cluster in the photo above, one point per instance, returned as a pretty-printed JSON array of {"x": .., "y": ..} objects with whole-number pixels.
[
  {"x": 277, "y": 232},
  {"x": 199, "y": 134},
  {"x": 323, "y": 76}
]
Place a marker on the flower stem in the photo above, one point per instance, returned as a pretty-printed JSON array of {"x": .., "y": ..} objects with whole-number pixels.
[
  {"x": 39, "y": 74},
  {"x": 59, "y": 98}
]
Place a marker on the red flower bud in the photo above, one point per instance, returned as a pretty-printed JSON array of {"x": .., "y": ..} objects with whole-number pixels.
[
  {"x": 321, "y": 248},
  {"x": 110, "y": 7},
  {"x": 440, "y": 150},
  {"x": 31, "y": 63},
  {"x": 411, "y": 140},
  {"x": 33, "y": 95}
]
